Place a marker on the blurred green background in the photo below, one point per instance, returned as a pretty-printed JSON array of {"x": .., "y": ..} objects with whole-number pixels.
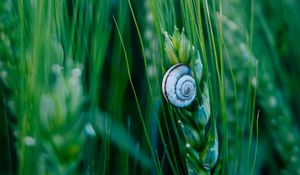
[{"x": 80, "y": 85}]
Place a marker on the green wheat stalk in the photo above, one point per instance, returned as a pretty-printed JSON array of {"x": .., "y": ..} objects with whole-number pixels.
[
  {"x": 277, "y": 113},
  {"x": 200, "y": 139}
]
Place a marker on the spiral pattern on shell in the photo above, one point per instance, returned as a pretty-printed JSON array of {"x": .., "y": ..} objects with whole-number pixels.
[{"x": 178, "y": 86}]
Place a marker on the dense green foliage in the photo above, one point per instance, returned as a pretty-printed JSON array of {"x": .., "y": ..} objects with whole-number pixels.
[{"x": 81, "y": 93}]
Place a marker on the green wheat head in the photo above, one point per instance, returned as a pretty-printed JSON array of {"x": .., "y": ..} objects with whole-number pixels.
[{"x": 200, "y": 138}]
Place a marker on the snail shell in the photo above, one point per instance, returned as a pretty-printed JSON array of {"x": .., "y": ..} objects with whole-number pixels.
[{"x": 179, "y": 87}]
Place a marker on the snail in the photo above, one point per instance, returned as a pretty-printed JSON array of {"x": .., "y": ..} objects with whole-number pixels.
[{"x": 178, "y": 86}]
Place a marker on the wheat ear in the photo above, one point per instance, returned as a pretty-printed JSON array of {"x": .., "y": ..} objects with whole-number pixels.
[{"x": 198, "y": 127}]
